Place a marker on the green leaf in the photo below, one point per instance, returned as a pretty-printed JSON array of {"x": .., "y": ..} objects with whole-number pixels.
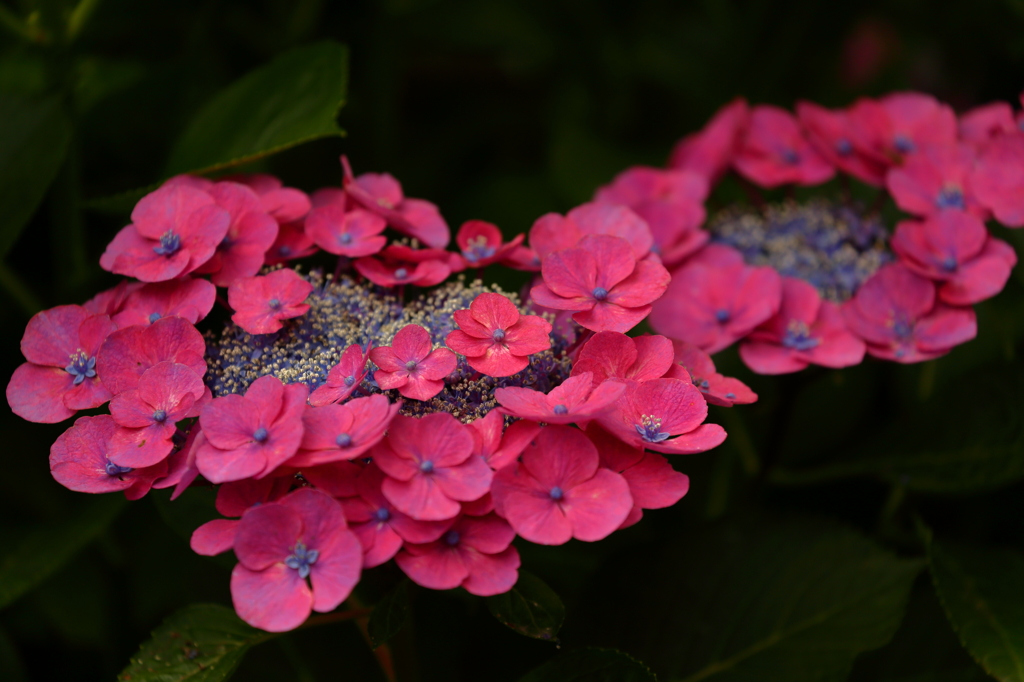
[
  {"x": 530, "y": 608},
  {"x": 34, "y": 137},
  {"x": 293, "y": 99},
  {"x": 45, "y": 550},
  {"x": 199, "y": 643},
  {"x": 390, "y": 614},
  {"x": 591, "y": 665},
  {"x": 981, "y": 591}
]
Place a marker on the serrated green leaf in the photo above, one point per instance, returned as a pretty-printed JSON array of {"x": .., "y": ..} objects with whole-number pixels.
[
  {"x": 530, "y": 608},
  {"x": 591, "y": 665},
  {"x": 390, "y": 614},
  {"x": 46, "y": 549},
  {"x": 34, "y": 137},
  {"x": 199, "y": 643},
  {"x": 293, "y": 99}
]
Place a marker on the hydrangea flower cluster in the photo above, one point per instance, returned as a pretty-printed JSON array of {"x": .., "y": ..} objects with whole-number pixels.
[
  {"x": 823, "y": 282},
  {"x": 380, "y": 408}
]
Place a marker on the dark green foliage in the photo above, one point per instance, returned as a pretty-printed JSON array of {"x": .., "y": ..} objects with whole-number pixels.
[
  {"x": 530, "y": 608},
  {"x": 591, "y": 665},
  {"x": 390, "y": 614}
]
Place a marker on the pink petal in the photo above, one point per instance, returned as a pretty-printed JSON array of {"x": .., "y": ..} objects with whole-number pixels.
[
  {"x": 275, "y": 599},
  {"x": 491, "y": 574},
  {"x": 337, "y": 569},
  {"x": 214, "y": 537},
  {"x": 438, "y": 567},
  {"x": 36, "y": 393},
  {"x": 596, "y": 507},
  {"x": 654, "y": 484}
]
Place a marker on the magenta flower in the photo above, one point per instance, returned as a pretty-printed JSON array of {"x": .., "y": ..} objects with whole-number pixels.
[
  {"x": 831, "y": 133},
  {"x": 111, "y": 301},
  {"x": 610, "y": 355},
  {"x": 233, "y": 500},
  {"x": 61, "y": 376},
  {"x": 380, "y": 527},
  {"x": 334, "y": 432},
  {"x": 497, "y": 445},
  {"x": 281, "y": 544},
  {"x": 430, "y": 466},
  {"x": 998, "y": 179},
  {"x": 260, "y": 303},
  {"x": 129, "y": 352},
  {"x": 173, "y": 231},
  {"x": 713, "y": 305},
  {"x": 78, "y": 461},
  {"x": 559, "y": 491},
  {"x": 700, "y": 371},
  {"x": 806, "y": 330},
  {"x": 410, "y": 365},
  {"x": 981, "y": 124},
  {"x": 250, "y": 436},
  {"x": 934, "y": 180},
  {"x": 401, "y": 265},
  {"x": 167, "y": 393},
  {"x": 896, "y": 314},
  {"x": 602, "y": 283},
  {"x": 954, "y": 249},
  {"x": 285, "y": 204},
  {"x": 352, "y": 233},
  {"x": 711, "y": 151},
  {"x": 495, "y": 338},
  {"x": 337, "y": 479},
  {"x": 481, "y": 244},
  {"x": 191, "y": 299},
  {"x": 250, "y": 235},
  {"x": 343, "y": 379},
  {"x": 552, "y": 232},
  {"x": 775, "y": 152},
  {"x": 573, "y": 401},
  {"x": 899, "y": 124},
  {"x": 475, "y": 554},
  {"x": 292, "y": 242}
]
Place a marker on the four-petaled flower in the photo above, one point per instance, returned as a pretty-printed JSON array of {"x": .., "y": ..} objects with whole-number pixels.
[
  {"x": 261, "y": 302},
  {"x": 410, "y": 365},
  {"x": 495, "y": 338}
]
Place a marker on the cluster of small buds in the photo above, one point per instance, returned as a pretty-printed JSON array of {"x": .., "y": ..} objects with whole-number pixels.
[
  {"x": 822, "y": 282},
  {"x": 349, "y": 418}
]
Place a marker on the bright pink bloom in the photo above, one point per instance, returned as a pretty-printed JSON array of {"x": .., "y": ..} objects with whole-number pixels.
[
  {"x": 700, "y": 369},
  {"x": 61, "y": 375},
  {"x": 260, "y": 303},
  {"x": 983, "y": 123},
  {"x": 166, "y": 394},
  {"x": 475, "y": 554},
  {"x": 670, "y": 201},
  {"x": 954, "y": 248},
  {"x": 495, "y": 338},
  {"x": 111, "y": 301},
  {"x": 430, "y": 466},
  {"x": 934, "y": 180},
  {"x": 334, "y": 432},
  {"x": 711, "y": 151},
  {"x": 497, "y": 445},
  {"x": 279, "y": 545},
  {"x": 353, "y": 233},
  {"x": 552, "y": 232},
  {"x": 173, "y": 231},
  {"x": 559, "y": 491},
  {"x": 380, "y": 527},
  {"x": 481, "y": 244},
  {"x": 574, "y": 400},
  {"x": 775, "y": 152},
  {"x": 900, "y": 124},
  {"x": 806, "y": 330},
  {"x": 78, "y": 461},
  {"x": 181, "y": 465},
  {"x": 998, "y": 179},
  {"x": 337, "y": 479},
  {"x": 189, "y": 298},
  {"x": 713, "y": 306},
  {"x": 382, "y": 194},
  {"x": 233, "y": 500},
  {"x": 831, "y": 134},
  {"x": 400, "y": 265},
  {"x": 610, "y": 355},
  {"x": 250, "y": 235},
  {"x": 665, "y": 415},
  {"x": 284, "y": 204},
  {"x": 410, "y": 365},
  {"x": 896, "y": 314},
  {"x": 292, "y": 242},
  {"x": 343, "y": 379},
  {"x": 602, "y": 282},
  {"x": 523, "y": 258},
  {"x": 250, "y": 436},
  {"x": 129, "y": 352}
]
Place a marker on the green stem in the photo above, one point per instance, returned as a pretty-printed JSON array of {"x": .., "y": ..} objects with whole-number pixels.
[
  {"x": 19, "y": 291},
  {"x": 12, "y": 23},
  {"x": 79, "y": 17}
]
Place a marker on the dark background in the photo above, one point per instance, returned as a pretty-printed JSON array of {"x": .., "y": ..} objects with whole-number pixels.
[{"x": 500, "y": 110}]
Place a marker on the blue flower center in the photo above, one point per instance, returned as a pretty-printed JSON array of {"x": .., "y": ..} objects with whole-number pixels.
[
  {"x": 798, "y": 336},
  {"x": 260, "y": 435},
  {"x": 477, "y": 249},
  {"x": 153, "y": 317},
  {"x": 556, "y": 493},
  {"x": 343, "y": 440},
  {"x": 498, "y": 335},
  {"x": 349, "y": 380},
  {"x": 411, "y": 365},
  {"x": 114, "y": 470},
  {"x": 382, "y": 514},
  {"x": 274, "y": 303},
  {"x": 903, "y": 144},
  {"x": 561, "y": 409},
  {"x": 452, "y": 537},
  {"x": 649, "y": 429},
  {"x": 843, "y": 147},
  {"x": 950, "y": 196},
  {"x": 902, "y": 328},
  {"x": 169, "y": 244},
  {"x": 401, "y": 273},
  {"x": 790, "y": 157},
  {"x": 160, "y": 416},
  {"x": 600, "y": 293},
  {"x": 722, "y": 315},
  {"x": 426, "y": 466},
  {"x": 301, "y": 559},
  {"x": 345, "y": 238},
  {"x": 81, "y": 367},
  {"x": 949, "y": 264}
]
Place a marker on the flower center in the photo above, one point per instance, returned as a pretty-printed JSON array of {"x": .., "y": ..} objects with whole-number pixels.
[
  {"x": 260, "y": 435},
  {"x": 950, "y": 196},
  {"x": 498, "y": 335},
  {"x": 561, "y": 409},
  {"x": 343, "y": 440},
  {"x": 160, "y": 416},
  {"x": 301, "y": 559},
  {"x": 114, "y": 470},
  {"x": 649, "y": 429},
  {"x": 790, "y": 157},
  {"x": 843, "y": 147},
  {"x": 798, "y": 336},
  {"x": 345, "y": 238},
  {"x": 401, "y": 273},
  {"x": 903, "y": 144},
  {"x": 274, "y": 303},
  {"x": 81, "y": 367},
  {"x": 722, "y": 315},
  {"x": 411, "y": 365},
  {"x": 426, "y": 466},
  {"x": 477, "y": 249},
  {"x": 600, "y": 293},
  {"x": 452, "y": 537},
  {"x": 382, "y": 515},
  {"x": 949, "y": 264},
  {"x": 556, "y": 493},
  {"x": 169, "y": 244},
  {"x": 153, "y": 317},
  {"x": 349, "y": 380}
]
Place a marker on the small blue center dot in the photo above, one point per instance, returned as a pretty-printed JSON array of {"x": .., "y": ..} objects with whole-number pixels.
[
  {"x": 343, "y": 440},
  {"x": 260, "y": 435},
  {"x": 160, "y": 416},
  {"x": 600, "y": 293},
  {"x": 556, "y": 493},
  {"x": 426, "y": 466},
  {"x": 561, "y": 409}
]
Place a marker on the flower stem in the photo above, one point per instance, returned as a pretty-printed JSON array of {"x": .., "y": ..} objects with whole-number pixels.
[{"x": 336, "y": 617}]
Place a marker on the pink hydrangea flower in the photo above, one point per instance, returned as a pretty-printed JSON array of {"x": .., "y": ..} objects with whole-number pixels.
[
  {"x": 955, "y": 249},
  {"x": 899, "y": 124},
  {"x": 481, "y": 244},
  {"x": 896, "y": 314},
  {"x": 354, "y": 233},
  {"x": 934, "y": 180},
  {"x": 497, "y": 445},
  {"x": 475, "y": 554},
  {"x": 399, "y": 265},
  {"x": 111, "y": 301},
  {"x": 166, "y": 394},
  {"x": 334, "y": 432},
  {"x": 831, "y": 134},
  {"x": 559, "y": 491},
  {"x": 250, "y": 235},
  {"x": 189, "y": 298},
  {"x": 714, "y": 304},
  {"x": 410, "y": 365},
  {"x": 128, "y": 353},
  {"x": 552, "y": 232},
  {"x": 575, "y": 400},
  {"x": 711, "y": 151},
  {"x": 78, "y": 461},
  {"x": 998, "y": 179},
  {"x": 61, "y": 375},
  {"x": 981, "y": 124},
  {"x": 285, "y": 204},
  {"x": 602, "y": 283},
  {"x": 281, "y": 544},
  {"x": 343, "y": 379},
  {"x": 173, "y": 231},
  {"x": 260, "y": 303},
  {"x": 700, "y": 371},
  {"x": 610, "y": 355},
  {"x": 775, "y": 152},
  {"x": 233, "y": 500},
  {"x": 292, "y": 242},
  {"x": 806, "y": 330},
  {"x": 495, "y": 338},
  {"x": 251, "y": 435},
  {"x": 430, "y": 466}
]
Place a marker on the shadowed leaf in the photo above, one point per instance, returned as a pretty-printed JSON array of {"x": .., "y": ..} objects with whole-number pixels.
[
  {"x": 390, "y": 614},
  {"x": 591, "y": 665},
  {"x": 530, "y": 608}
]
